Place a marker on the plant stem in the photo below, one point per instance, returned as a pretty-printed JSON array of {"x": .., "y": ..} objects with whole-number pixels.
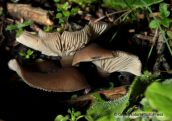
[{"x": 158, "y": 26}]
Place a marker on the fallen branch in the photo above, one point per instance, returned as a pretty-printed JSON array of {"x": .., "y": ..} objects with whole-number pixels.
[{"x": 27, "y": 12}]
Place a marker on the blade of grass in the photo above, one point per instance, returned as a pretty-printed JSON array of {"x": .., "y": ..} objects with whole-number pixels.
[
  {"x": 125, "y": 14},
  {"x": 155, "y": 38},
  {"x": 158, "y": 26}
]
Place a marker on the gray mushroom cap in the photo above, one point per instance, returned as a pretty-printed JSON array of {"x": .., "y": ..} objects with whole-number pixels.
[{"x": 65, "y": 80}]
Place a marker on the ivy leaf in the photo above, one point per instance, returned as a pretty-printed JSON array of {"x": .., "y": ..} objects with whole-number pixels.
[
  {"x": 74, "y": 11},
  {"x": 65, "y": 5},
  {"x": 66, "y": 13},
  {"x": 163, "y": 11},
  {"x": 166, "y": 22},
  {"x": 160, "y": 98},
  {"x": 153, "y": 23},
  {"x": 58, "y": 15},
  {"x": 29, "y": 52},
  {"x": 11, "y": 27},
  {"x": 22, "y": 54}
]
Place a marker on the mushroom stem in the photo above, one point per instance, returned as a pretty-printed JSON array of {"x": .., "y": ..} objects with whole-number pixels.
[
  {"x": 66, "y": 61},
  {"x": 103, "y": 74}
]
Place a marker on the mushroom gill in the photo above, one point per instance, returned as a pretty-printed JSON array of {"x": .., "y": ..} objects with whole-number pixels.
[
  {"x": 121, "y": 61},
  {"x": 73, "y": 41},
  {"x": 97, "y": 29},
  {"x": 65, "y": 80}
]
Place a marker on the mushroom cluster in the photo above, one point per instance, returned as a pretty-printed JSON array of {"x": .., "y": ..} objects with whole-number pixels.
[{"x": 73, "y": 47}]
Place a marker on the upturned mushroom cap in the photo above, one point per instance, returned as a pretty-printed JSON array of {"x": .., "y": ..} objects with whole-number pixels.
[
  {"x": 65, "y": 80},
  {"x": 91, "y": 52},
  {"x": 121, "y": 61},
  {"x": 54, "y": 44},
  {"x": 97, "y": 29},
  {"x": 73, "y": 41}
]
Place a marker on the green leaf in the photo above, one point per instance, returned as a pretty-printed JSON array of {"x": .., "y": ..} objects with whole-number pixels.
[
  {"x": 163, "y": 11},
  {"x": 141, "y": 82},
  {"x": 1, "y": 12},
  {"x": 11, "y": 27},
  {"x": 65, "y": 5},
  {"x": 160, "y": 98},
  {"x": 27, "y": 23},
  {"x": 24, "y": 24},
  {"x": 58, "y": 15},
  {"x": 166, "y": 22},
  {"x": 98, "y": 98},
  {"x": 66, "y": 13},
  {"x": 61, "y": 118},
  {"x": 169, "y": 33},
  {"x": 167, "y": 81},
  {"x": 77, "y": 113},
  {"x": 153, "y": 23},
  {"x": 73, "y": 96},
  {"x": 22, "y": 54},
  {"x": 59, "y": 7},
  {"x": 27, "y": 56},
  {"x": 74, "y": 11},
  {"x": 109, "y": 86},
  {"x": 56, "y": 1},
  {"x": 19, "y": 32},
  {"x": 61, "y": 20},
  {"x": 29, "y": 52},
  {"x": 146, "y": 105},
  {"x": 132, "y": 3},
  {"x": 105, "y": 111},
  {"x": 88, "y": 117}
]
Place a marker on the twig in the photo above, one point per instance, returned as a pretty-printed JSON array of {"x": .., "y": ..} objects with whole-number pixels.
[{"x": 112, "y": 14}]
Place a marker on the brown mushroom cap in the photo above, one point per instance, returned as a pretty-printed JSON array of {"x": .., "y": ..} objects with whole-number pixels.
[
  {"x": 65, "y": 80},
  {"x": 121, "y": 61},
  {"x": 91, "y": 52}
]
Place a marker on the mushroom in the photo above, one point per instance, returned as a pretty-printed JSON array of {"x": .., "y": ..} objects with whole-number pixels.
[
  {"x": 54, "y": 44},
  {"x": 65, "y": 80},
  {"x": 108, "y": 61}
]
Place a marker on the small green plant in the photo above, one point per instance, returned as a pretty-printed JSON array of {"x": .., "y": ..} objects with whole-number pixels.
[
  {"x": 47, "y": 28},
  {"x": 164, "y": 13},
  {"x": 27, "y": 54},
  {"x": 110, "y": 85},
  {"x": 63, "y": 14},
  {"x": 19, "y": 26},
  {"x": 74, "y": 116},
  {"x": 98, "y": 98},
  {"x": 73, "y": 96},
  {"x": 1, "y": 12}
]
